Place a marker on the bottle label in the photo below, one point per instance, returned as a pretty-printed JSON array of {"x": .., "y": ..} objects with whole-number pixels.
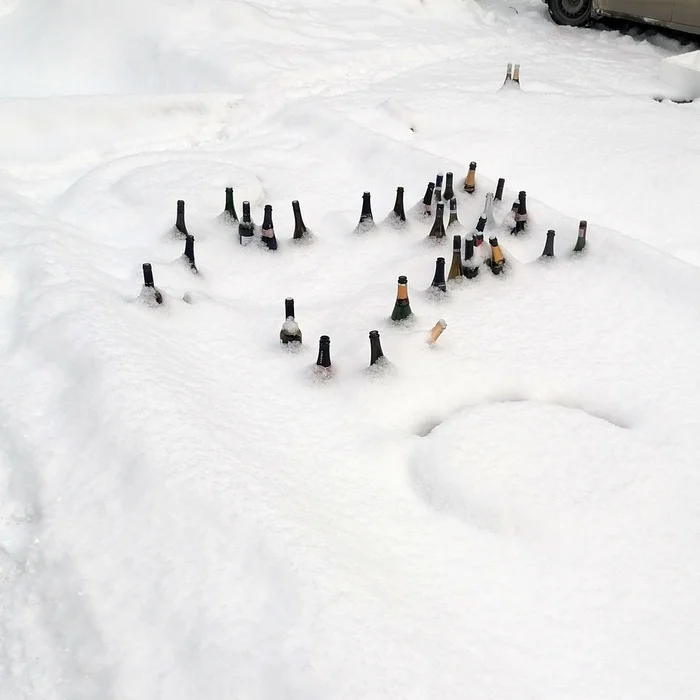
[
  {"x": 246, "y": 239},
  {"x": 520, "y": 217},
  {"x": 268, "y": 233}
]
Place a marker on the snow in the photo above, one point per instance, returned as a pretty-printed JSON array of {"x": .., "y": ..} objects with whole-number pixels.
[{"x": 187, "y": 511}]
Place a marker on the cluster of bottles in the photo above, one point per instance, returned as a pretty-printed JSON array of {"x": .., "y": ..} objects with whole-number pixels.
[{"x": 290, "y": 334}]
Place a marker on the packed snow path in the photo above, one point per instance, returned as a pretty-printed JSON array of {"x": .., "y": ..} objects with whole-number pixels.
[{"x": 185, "y": 513}]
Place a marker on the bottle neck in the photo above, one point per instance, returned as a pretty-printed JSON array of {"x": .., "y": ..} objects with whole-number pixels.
[
  {"x": 246, "y": 212},
  {"x": 429, "y": 193},
  {"x": 267, "y": 220},
  {"x": 289, "y": 308},
  {"x": 366, "y": 207},
  {"x": 499, "y": 189},
  {"x": 402, "y": 292}
]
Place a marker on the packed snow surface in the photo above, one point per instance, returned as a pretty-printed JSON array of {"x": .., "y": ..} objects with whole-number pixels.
[{"x": 188, "y": 511}]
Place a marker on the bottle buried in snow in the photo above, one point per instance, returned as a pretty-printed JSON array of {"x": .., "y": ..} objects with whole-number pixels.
[
  {"x": 230, "y": 207},
  {"x": 497, "y": 260},
  {"x": 509, "y": 75},
  {"x": 149, "y": 291},
  {"x": 449, "y": 192},
  {"x": 438, "y": 187},
  {"x": 437, "y": 232},
  {"x": 438, "y": 282},
  {"x": 499, "y": 189},
  {"x": 479, "y": 230},
  {"x": 189, "y": 252},
  {"x": 520, "y": 214},
  {"x": 300, "y": 230},
  {"x": 267, "y": 233},
  {"x": 366, "y": 221},
  {"x": 180, "y": 226},
  {"x": 246, "y": 229},
  {"x": 398, "y": 212},
  {"x": 470, "y": 179},
  {"x": 581, "y": 240},
  {"x": 402, "y": 307},
  {"x": 436, "y": 331},
  {"x": 376, "y": 354},
  {"x": 456, "y": 269},
  {"x": 323, "y": 362},
  {"x": 453, "y": 213},
  {"x": 470, "y": 268},
  {"x": 290, "y": 333},
  {"x": 488, "y": 209},
  {"x": 548, "y": 251},
  {"x": 428, "y": 199},
  {"x": 516, "y": 74}
]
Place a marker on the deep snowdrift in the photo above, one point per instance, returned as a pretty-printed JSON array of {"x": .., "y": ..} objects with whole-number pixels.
[{"x": 185, "y": 512}]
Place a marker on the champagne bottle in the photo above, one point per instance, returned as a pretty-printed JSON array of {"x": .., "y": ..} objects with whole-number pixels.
[
  {"x": 488, "y": 209},
  {"x": 438, "y": 194},
  {"x": 428, "y": 199},
  {"x": 548, "y": 251},
  {"x": 438, "y": 282},
  {"x": 189, "y": 252},
  {"x": 453, "y": 212},
  {"x": 290, "y": 333},
  {"x": 180, "y": 218},
  {"x": 456, "y": 266},
  {"x": 499, "y": 189},
  {"x": 402, "y": 307},
  {"x": 516, "y": 74},
  {"x": 149, "y": 290},
  {"x": 497, "y": 261},
  {"x": 376, "y": 354},
  {"x": 438, "y": 185},
  {"x": 267, "y": 234},
  {"x": 398, "y": 211},
  {"x": 479, "y": 231},
  {"x": 436, "y": 331},
  {"x": 470, "y": 268},
  {"x": 470, "y": 180},
  {"x": 520, "y": 215},
  {"x": 437, "y": 232},
  {"x": 230, "y": 208},
  {"x": 300, "y": 230},
  {"x": 509, "y": 74},
  {"x": 246, "y": 228},
  {"x": 449, "y": 192},
  {"x": 366, "y": 219},
  {"x": 581, "y": 240},
  {"x": 323, "y": 362}
]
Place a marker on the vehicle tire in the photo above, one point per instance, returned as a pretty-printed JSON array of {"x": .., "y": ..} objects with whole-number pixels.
[{"x": 573, "y": 13}]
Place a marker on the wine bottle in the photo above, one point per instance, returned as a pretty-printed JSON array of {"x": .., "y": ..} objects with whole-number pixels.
[
  {"x": 402, "y": 307},
  {"x": 449, "y": 192},
  {"x": 470, "y": 268},
  {"x": 516, "y": 74},
  {"x": 438, "y": 185},
  {"x": 398, "y": 212},
  {"x": 428, "y": 199},
  {"x": 180, "y": 218},
  {"x": 438, "y": 282},
  {"x": 520, "y": 215},
  {"x": 438, "y": 194},
  {"x": 230, "y": 207},
  {"x": 376, "y": 354},
  {"x": 246, "y": 229},
  {"x": 366, "y": 219},
  {"x": 548, "y": 251},
  {"x": 509, "y": 74},
  {"x": 470, "y": 180},
  {"x": 499, "y": 189},
  {"x": 290, "y": 333},
  {"x": 189, "y": 252},
  {"x": 436, "y": 331},
  {"x": 453, "y": 212},
  {"x": 267, "y": 234},
  {"x": 456, "y": 269},
  {"x": 149, "y": 290},
  {"x": 437, "y": 232},
  {"x": 497, "y": 261},
  {"x": 323, "y": 362},
  {"x": 479, "y": 231},
  {"x": 581, "y": 240},
  {"x": 300, "y": 230}
]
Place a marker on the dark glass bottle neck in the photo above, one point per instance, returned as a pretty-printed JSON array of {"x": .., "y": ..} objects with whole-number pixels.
[
  {"x": 499, "y": 189},
  {"x": 189, "y": 249},
  {"x": 147, "y": 275},
  {"x": 522, "y": 205},
  {"x": 429, "y": 193},
  {"x": 468, "y": 248},
  {"x": 267, "y": 220},
  {"x": 549, "y": 245},
  {"x": 375, "y": 347},
  {"x": 324, "y": 352},
  {"x": 289, "y": 308},
  {"x": 230, "y": 208},
  {"x": 366, "y": 206},
  {"x": 246, "y": 212}
]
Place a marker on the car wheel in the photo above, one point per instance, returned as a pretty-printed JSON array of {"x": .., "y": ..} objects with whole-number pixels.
[{"x": 574, "y": 13}]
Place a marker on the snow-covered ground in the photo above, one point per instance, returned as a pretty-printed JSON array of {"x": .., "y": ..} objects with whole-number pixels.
[{"x": 186, "y": 512}]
